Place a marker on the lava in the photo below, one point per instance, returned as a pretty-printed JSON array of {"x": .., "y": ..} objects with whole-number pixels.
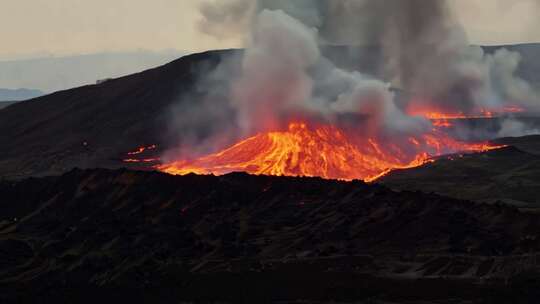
[
  {"x": 440, "y": 116},
  {"x": 442, "y": 123},
  {"x": 143, "y": 160},
  {"x": 324, "y": 151},
  {"x": 134, "y": 156},
  {"x": 142, "y": 149}
]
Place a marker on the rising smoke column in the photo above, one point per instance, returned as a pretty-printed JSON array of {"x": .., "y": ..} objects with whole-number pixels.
[{"x": 276, "y": 80}]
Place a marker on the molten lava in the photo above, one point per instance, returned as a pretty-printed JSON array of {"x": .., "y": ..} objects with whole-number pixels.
[
  {"x": 142, "y": 149},
  {"x": 323, "y": 151},
  {"x": 440, "y": 115},
  {"x": 134, "y": 156}
]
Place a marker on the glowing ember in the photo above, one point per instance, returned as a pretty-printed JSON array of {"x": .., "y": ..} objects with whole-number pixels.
[{"x": 324, "y": 151}]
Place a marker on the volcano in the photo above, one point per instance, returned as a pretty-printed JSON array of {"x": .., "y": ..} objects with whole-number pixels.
[
  {"x": 107, "y": 121},
  {"x": 81, "y": 235}
]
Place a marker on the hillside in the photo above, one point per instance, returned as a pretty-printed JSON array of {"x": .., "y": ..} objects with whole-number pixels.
[
  {"x": 152, "y": 237},
  {"x": 508, "y": 175},
  {"x": 95, "y": 125}
]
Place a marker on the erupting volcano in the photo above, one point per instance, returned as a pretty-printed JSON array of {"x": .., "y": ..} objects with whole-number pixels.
[
  {"x": 285, "y": 73},
  {"x": 324, "y": 151}
]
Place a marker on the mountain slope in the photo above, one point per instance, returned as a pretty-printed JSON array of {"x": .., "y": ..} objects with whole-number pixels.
[
  {"x": 146, "y": 235},
  {"x": 508, "y": 175},
  {"x": 95, "y": 125}
]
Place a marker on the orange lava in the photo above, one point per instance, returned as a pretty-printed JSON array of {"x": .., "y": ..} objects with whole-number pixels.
[
  {"x": 442, "y": 123},
  {"x": 513, "y": 109},
  {"x": 434, "y": 115},
  {"x": 439, "y": 116},
  {"x": 135, "y": 156},
  {"x": 141, "y": 150},
  {"x": 143, "y": 160},
  {"x": 323, "y": 151}
]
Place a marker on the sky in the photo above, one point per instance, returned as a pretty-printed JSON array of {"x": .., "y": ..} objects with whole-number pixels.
[{"x": 69, "y": 27}]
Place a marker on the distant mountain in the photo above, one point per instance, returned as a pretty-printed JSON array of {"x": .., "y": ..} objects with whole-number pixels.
[
  {"x": 4, "y": 104},
  {"x": 19, "y": 94},
  {"x": 52, "y": 74}
]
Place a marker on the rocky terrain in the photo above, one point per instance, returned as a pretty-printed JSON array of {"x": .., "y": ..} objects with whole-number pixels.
[
  {"x": 145, "y": 236},
  {"x": 509, "y": 175}
]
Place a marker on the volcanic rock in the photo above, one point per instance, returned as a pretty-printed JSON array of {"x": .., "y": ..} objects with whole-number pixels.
[{"x": 129, "y": 236}]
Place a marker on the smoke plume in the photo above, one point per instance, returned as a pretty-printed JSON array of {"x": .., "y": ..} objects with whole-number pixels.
[{"x": 289, "y": 68}]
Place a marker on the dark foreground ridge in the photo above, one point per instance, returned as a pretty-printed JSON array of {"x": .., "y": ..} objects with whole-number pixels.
[{"x": 125, "y": 236}]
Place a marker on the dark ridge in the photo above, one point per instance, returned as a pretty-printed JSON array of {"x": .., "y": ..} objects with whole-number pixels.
[
  {"x": 508, "y": 175},
  {"x": 94, "y": 235}
]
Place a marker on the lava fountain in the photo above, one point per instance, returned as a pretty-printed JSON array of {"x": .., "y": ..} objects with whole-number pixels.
[{"x": 324, "y": 151}]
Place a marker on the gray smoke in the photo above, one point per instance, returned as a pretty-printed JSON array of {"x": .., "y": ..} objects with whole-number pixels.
[
  {"x": 274, "y": 76},
  {"x": 284, "y": 71},
  {"x": 283, "y": 74},
  {"x": 225, "y": 18},
  {"x": 426, "y": 51}
]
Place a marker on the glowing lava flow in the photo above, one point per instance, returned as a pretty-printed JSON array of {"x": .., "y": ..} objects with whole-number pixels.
[
  {"x": 323, "y": 151},
  {"x": 438, "y": 115},
  {"x": 445, "y": 119},
  {"x": 141, "y": 150}
]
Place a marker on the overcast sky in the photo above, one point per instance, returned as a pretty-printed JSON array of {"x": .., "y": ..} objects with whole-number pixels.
[{"x": 60, "y": 27}]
